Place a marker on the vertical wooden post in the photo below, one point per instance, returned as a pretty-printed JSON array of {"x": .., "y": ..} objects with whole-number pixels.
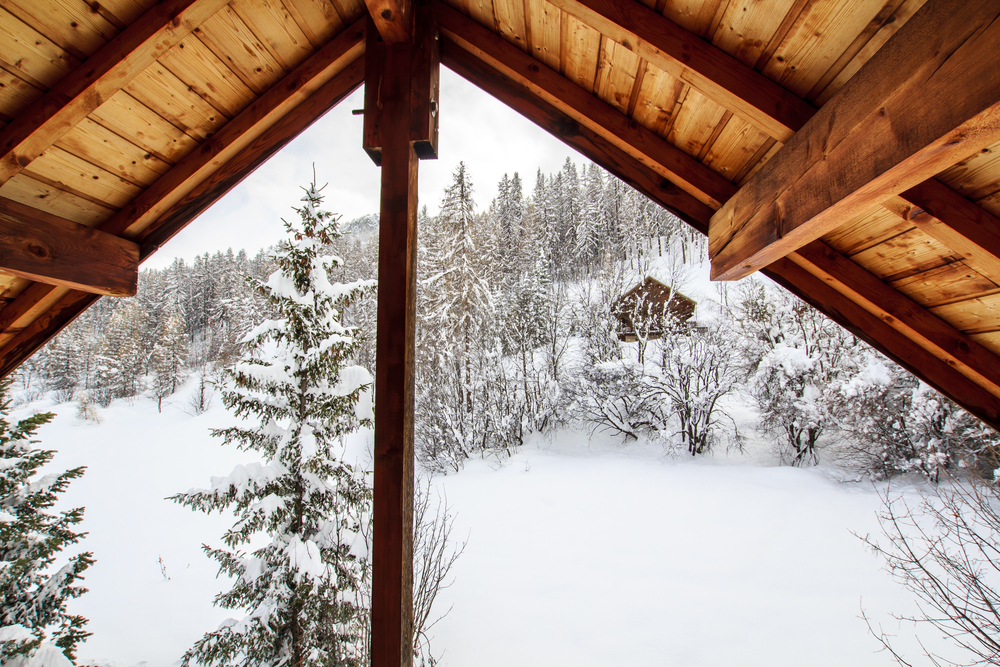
[
  {"x": 392, "y": 563},
  {"x": 400, "y": 112}
]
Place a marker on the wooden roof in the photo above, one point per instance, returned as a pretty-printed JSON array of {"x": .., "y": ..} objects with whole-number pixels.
[{"x": 848, "y": 148}]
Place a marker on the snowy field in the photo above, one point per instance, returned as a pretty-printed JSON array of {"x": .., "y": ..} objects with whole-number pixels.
[{"x": 577, "y": 555}]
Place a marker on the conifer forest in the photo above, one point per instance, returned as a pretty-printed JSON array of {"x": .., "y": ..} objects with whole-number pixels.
[{"x": 535, "y": 318}]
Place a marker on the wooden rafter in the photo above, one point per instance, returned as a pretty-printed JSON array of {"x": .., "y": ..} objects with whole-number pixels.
[
  {"x": 584, "y": 108},
  {"x": 871, "y": 141},
  {"x": 685, "y": 56},
  {"x": 961, "y": 225},
  {"x": 96, "y": 79},
  {"x": 43, "y": 247},
  {"x": 67, "y": 306},
  {"x": 901, "y": 329},
  {"x": 240, "y": 132}
]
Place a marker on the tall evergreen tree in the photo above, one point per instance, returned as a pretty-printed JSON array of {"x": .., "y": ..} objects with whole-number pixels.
[
  {"x": 298, "y": 590},
  {"x": 33, "y": 597}
]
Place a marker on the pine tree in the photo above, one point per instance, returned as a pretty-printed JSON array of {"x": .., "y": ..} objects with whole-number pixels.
[
  {"x": 32, "y": 597},
  {"x": 169, "y": 356},
  {"x": 299, "y": 589}
]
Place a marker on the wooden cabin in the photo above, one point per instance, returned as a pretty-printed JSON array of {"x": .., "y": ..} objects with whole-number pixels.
[
  {"x": 649, "y": 309},
  {"x": 849, "y": 149}
]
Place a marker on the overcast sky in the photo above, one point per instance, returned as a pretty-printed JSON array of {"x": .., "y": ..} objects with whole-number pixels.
[{"x": 475, "y": 128}]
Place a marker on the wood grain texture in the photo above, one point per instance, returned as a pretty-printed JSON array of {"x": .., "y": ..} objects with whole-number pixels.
[
  {"x": 871, "y": 142},
  {"x": 242, "y": 131},
  {"x": 392, "y": 526},
  {"x": 584, "y": 108},
  {"x": 915, "y": 322},
  {"x": 97, "y": 79},
  {"x": 685, "y": 56},
  {"x": 41, "y": 247},
  {"x": 28, "y": 340},
  {"x": 959, "y": 224},
  {"x": 589, "y": 143},
  {"x": 243, "y": 163},
  {"x": 393, "y": 19}
]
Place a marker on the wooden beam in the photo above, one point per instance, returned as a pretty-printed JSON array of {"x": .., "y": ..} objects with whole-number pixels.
[
  {"x": 585, "y": 141},
  {"x": 393, "y": 19},
  {"x": 42, "y": 247},
  {"x": 889, "y": 341},
  {"x": 938, "y": 368},
  {"x": 98, "y": 78},
  {"x": 28, "y": 341},
  {"x": 180, "y": 214},
  {"x": 929, "y": 98},
  {"x": 688, "y": 58},
  {"x": 958, "y": 223},
  {"x": 246, "y": 161},
  {"x": 634, "y": 139},
  {"x": 243, "y": 131},
  {"x": 425, "y": 73},
  {"x": 901, "y": 313},
  {"x": 392, "y": 552}
]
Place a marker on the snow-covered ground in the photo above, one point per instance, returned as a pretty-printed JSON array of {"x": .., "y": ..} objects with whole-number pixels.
[{"x": 577, "y": 554}]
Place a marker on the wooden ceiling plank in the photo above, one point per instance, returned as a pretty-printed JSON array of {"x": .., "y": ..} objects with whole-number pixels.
[
  {"x": 318, "y": 19},
  {"x": 871, "y": 141},
  {"x": 71, "y": 25},
  {"x": 959, "y": 224},
  {"x": 85, "y": 179},
  {"x": 903, "y": 314},
  {"x": 128, "y": 117},
  {"x": 68, "y": 306},
  {"x": 235, "y": 43},
  {"x": 159, "y": 89},
  {"x": 393, "y": 19},
  {"x": 945, "y": 284},
  {"x": 291, "y": 91},
  {"x": 930, "y": 367},
  {"x": 237, "y": 167},
  {"x": 38, "y": 194},
  {"x": 16, "y": 94},
  {"x": 583, "y": 107},
  {"x": 97, "y": 79},
  {"x": 586, "y": 141},
  {"x": 195, "y": 64},
  {"x": 543, "y": 23},
  {"x": 579, "y": 52},
  {"x": 113, "y": 152},
  {"x": 25, "y": 50},
  {"x": 721, "y": 77},
  {"x": 272, "y": 23},
  {"x": 44, "y": 248}
]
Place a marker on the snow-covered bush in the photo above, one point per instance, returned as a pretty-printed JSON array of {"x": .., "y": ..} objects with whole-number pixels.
[
  {"x": 299, "y": 590},
  {"x": 33, "y": 595},
  {"x": 796, "y": 357},
  {"x": 896, "y": 424},
  {"x": 697, "y": 369}
]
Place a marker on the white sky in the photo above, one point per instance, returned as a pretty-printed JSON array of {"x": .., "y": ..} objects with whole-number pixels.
[{"x": 475, "y": 128}]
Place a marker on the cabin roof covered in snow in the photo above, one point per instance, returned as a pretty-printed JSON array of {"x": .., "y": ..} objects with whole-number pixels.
[{"x": 848, "y": 148}]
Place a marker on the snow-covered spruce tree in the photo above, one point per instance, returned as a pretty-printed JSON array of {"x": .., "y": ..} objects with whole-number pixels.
[
  {"x": 33, "y": 598},
  {"x": 295, "y": 381}
]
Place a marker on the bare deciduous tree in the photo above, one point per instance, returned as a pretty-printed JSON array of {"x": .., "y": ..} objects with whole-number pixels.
[{"x": 946, "y": 552}]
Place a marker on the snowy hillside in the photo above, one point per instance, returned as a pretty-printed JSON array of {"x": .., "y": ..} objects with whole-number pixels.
[{"x": 577, "y": 555}]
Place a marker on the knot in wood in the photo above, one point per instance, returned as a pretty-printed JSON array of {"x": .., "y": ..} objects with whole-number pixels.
[{"x": 38, "y": 251}]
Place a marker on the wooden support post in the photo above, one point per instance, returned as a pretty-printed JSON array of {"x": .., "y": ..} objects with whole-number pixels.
[{"x": 403, "y": 94}]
